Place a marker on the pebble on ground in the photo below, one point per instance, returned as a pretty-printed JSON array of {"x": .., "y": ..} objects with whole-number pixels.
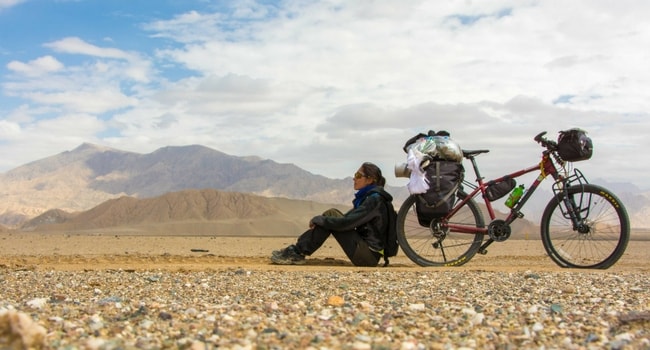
[{"x": 236, "y": 308}]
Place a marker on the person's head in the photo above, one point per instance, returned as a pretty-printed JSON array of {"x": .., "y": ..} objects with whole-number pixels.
[{"x": 368, "y": 174}]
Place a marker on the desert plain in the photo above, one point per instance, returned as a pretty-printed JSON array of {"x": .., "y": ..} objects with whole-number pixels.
[
  {"x": 120, "y": 291},
  {"x": 97, "y": 251}
]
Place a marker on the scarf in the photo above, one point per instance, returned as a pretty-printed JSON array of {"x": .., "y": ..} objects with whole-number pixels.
[{"x": 361, "y": 194}]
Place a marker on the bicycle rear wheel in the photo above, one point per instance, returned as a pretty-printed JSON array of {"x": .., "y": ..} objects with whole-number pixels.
[
  {"x": 599, "y": 240},
  {"x": 436, "y": 245}
]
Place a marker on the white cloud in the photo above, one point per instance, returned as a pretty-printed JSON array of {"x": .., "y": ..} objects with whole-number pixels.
[
  {"x": 137, "y": 69},
  {"x": 69, "y": 126},
  {"x": 97, "y": 86},
  {"x": 9, "y": 130},
  {"x": 41, "y": 137},
  {"x": 39, "y": 66},
  {"x": 74, "y": 45},
  {"x": 376, "y": 62},
  {"x": 4, "y": 4},
  {"x": 329, "y": 84}
]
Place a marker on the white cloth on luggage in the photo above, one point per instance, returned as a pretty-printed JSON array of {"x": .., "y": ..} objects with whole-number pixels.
[{"x": 417, "y": 182}]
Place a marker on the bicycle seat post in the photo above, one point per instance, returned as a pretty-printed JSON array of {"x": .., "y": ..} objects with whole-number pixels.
[
  {"x": 471, "y": 155},
  {"x": 479, "y": 178}
]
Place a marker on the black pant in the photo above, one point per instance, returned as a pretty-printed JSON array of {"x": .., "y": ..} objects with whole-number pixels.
[{"x": 354, "y": 246}]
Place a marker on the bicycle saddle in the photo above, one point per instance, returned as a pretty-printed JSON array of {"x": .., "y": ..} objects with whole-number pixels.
[{"x": 469, "y": 153}]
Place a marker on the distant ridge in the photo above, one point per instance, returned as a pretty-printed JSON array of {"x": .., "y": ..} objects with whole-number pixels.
[
  {"x": 195, "y": 212},
  {"x": 201, "y": 212},
  {"x": 88, "y": 175}
]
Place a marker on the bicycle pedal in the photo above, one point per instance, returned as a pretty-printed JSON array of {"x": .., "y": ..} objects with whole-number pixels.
[{"x": 482, "y": 251}]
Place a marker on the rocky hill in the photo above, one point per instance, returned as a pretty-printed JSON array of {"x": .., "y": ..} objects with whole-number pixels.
[
  {"x": 190, "y": 212},
  {"x": 200, "y": 212},
  {"x": 83, "y": 178}
]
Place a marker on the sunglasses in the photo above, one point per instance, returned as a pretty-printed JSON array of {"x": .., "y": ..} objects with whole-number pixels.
[{"x": 359, "y": 175}]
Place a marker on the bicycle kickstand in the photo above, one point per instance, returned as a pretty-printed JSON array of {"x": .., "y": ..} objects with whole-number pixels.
[{"x": 483, "y": 249}]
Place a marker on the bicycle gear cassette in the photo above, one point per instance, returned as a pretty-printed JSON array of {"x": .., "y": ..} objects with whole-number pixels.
[{"x": 499, "y": 231}]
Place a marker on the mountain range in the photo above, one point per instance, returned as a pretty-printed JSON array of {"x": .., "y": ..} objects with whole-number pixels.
[
  {"x": 189, "y": 212},
  {"x": 192, "y": 184},
  {"x": 80, "y": 179}
]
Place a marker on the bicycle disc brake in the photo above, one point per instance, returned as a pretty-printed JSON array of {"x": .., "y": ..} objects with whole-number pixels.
[{"x": 499, "y": 231}]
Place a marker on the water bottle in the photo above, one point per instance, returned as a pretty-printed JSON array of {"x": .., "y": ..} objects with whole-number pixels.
[{"x": 515, "y": 195}]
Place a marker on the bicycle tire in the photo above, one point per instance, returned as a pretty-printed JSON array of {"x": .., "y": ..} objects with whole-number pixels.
[
  {"x": 427, "y": 247},
  {"x": 604, "y": 238}
]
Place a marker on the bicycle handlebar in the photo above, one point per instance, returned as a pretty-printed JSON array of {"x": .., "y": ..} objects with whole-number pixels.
[{"x": 549, "y": 144}]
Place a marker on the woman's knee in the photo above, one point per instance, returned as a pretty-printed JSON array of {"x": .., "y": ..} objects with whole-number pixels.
[{"x": 333, "y": 212}]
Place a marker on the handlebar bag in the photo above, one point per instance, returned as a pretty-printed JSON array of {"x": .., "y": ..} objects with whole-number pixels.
[
  {"x": 444, "y": 179},
  {"x": 574, "y": 145}
]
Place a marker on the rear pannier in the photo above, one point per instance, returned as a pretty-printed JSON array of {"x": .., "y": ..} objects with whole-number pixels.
[
  {"x": 434, "y": 167},
  {"x": 444, "y": 178}
]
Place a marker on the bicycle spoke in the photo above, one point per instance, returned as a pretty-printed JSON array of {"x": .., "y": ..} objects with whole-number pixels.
[
  {"x": 600, "y": 238},
  {"x": 431, "y": 246}
]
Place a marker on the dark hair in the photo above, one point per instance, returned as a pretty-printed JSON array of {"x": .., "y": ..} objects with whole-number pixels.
[{"x": 372, "y": 171}]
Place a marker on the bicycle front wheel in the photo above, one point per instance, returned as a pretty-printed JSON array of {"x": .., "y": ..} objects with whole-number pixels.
[
  {"x": 436, "y": 245},
  {"x": 598, "y": 239}
]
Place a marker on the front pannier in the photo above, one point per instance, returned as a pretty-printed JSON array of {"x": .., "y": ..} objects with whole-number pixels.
[
  {"x": 444, "y": 179},
  {"x": 573, "y": 145},
  {"x": 497, "y": 190}
]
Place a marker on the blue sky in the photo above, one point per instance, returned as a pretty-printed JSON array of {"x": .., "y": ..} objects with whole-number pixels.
[{"x": 327, "y": 85}]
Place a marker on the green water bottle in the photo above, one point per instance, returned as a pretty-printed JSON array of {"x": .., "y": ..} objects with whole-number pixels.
[{"x": 515, "y": 195}]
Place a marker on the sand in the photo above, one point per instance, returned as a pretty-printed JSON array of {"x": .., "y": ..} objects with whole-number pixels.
[{"x": 56, "y": 251}]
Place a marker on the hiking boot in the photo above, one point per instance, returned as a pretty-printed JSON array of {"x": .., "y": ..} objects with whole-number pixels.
[
  {"x": 277, "y": 252},
  {"x": 288, "y": 256},
  {"x": 281, "y": 252}
]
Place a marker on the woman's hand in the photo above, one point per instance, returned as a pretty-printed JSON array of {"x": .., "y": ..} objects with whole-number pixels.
[{"x": 317, "y": 220}]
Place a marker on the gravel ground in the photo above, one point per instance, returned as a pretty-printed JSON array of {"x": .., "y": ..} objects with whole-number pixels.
[
  {"x": 167, "y": 292},
  {"x": 350, "y": 308}
]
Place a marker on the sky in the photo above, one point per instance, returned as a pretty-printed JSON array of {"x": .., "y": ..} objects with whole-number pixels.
[{"x": 327, "y": 85}]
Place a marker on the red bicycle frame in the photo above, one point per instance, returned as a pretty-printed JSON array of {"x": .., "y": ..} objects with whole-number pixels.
[{"x": 545, "y": 167}]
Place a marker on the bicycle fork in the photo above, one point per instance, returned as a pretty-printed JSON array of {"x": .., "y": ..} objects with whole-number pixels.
[
  {"x": 576, "y": 211},
  {"x": 573, "y": 210}
]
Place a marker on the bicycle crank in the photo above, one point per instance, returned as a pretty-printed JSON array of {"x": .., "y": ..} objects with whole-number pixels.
[{"x": 499, "y": 230}]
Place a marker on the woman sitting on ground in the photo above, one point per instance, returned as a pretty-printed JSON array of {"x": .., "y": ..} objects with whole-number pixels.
[{"x": 360, "y": 231}]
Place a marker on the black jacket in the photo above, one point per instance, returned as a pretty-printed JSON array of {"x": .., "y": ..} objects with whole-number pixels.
[{"x": 369, "y": 219}]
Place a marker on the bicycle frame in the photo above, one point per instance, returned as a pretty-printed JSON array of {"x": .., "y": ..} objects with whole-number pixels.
[{"x": 545, "y": 167}]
